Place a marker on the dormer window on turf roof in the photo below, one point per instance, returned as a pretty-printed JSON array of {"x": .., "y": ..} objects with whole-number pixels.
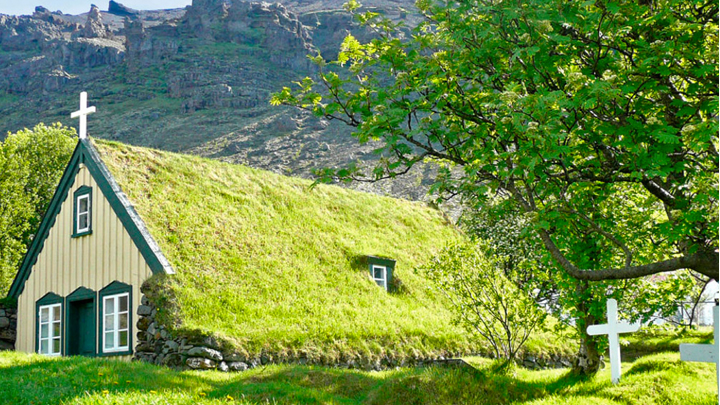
[
  {"x": 82, "y": 213},
  {"x": 381, "y": 271}
]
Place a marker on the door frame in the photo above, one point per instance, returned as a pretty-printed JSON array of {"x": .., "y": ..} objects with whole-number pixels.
[{"x": 80, "y": 294}]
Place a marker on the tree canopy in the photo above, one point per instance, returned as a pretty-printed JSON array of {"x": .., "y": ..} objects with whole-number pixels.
[
  {"x": 596, "y": 119},
  {"x": 31, "y": 163}
]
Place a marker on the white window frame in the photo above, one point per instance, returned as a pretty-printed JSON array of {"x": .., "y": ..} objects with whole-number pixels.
[
  {"x": 78, "y": 213},
  {"x": 50, "y": 322},
  {"x": 384, "y": 277},
  {"x": 116, "y": 323}
]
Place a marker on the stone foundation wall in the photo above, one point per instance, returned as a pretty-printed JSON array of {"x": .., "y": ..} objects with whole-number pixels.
[
  {"x": 8, "y": 327},
  {"x": 159, "y": 346}
]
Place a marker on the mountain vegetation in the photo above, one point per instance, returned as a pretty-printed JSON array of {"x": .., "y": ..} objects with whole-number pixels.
[{"x": 195, "y": 80}]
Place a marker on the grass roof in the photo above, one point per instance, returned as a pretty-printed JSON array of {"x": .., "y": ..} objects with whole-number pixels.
[{"x": 265, "y": 262}]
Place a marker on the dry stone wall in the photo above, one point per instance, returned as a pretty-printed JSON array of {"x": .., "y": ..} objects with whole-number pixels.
[
  {"x": 158, "y": 345},
  {"x": 8, "y": 327}
]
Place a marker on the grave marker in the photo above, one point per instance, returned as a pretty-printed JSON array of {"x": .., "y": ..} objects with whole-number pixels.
[
  {"x": 613, "y": 329},
  {"x": 702, "y": 352}
]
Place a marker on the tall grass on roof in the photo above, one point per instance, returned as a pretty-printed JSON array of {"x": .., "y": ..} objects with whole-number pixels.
[{"x": 264, "y": 262}]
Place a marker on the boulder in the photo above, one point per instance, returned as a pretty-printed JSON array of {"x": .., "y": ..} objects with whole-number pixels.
[
  {"x": 144, "y": 310},
  {"x": 199, "y": 363},
  {"x": 237, "y": 366},
  {"x": 206, "y": 353}
]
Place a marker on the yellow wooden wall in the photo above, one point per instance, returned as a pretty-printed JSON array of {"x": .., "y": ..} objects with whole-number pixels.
[{"x": 92, "y": 261}]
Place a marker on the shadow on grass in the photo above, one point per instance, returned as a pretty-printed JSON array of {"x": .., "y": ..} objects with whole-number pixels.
[{"x": 38, "y": 380}]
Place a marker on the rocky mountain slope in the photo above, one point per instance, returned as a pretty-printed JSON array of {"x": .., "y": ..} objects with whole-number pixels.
[{"x": 194, "y": 80}]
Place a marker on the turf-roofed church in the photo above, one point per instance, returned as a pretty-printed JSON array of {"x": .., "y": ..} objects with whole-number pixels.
[{"x": 189, "y": 262}]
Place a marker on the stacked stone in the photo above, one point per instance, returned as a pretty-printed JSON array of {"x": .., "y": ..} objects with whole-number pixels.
[
  {"x": 8, "y": 328},
  {"x": 541, "y": 363},
  {"x": 157, "y": 345}
]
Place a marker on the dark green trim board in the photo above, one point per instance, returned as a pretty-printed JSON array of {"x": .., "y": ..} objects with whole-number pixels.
[
  {"x": 49, "y": 299},
  {"x": 80, "y": 294},
  {"x": 86, "y": 153},
  {"x": 114, "y": 288},
  {"x": 389, "y": 265},
  {"x": 130, "y": 219},
  {"x": 82, "y": 191}
]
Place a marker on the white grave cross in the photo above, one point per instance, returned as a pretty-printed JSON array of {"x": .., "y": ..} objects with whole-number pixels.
[
  {"x": 704, "y": 353},
  {"x": 83, "y": 113},
  {"x": 613, "y": 329}
]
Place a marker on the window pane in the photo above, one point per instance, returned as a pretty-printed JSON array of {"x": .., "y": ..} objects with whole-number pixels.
[
  {"x": 109, "y": 305},
  {"x": 123, "y": 304},
  {"x": 82, "y": 221},
  {"x": 123, "y": 338},
  {"x": 56, "y": 345},
  {"x": 83, "y": 204},
  {"x": 44, "y": 314},
  {"x": 44, "y": 346},
  {"x": 109, "y": 340},
  {"x": 381, "y": 283},
  {"x": 56, "y": 313},
  {"x": 56, "y": 329},
  {"x": 109, "y": 323},
  {"x": 123, "y": 321},
  {"x": 44, "y": 331},
  {"x": 379, "y": 272}
]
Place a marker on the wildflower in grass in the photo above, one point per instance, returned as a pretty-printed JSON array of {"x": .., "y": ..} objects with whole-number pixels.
[
  {"x": 153, "y": 392},
  {"x": 229, "y": 398},
  {"x": 100, "y": 373},
  {"x": 202, "y": 394},
  {"x": 105, "y": 392}
]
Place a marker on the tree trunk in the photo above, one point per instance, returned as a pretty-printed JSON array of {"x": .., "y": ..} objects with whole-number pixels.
[{"x": 588, "y": 360}]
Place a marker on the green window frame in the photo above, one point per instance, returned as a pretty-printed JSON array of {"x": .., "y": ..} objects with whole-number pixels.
[
  {"x": 82, "y": 211},
  {"x": 81, "y": 293},
  {"x": 49, "y": 325},
  {"x": 381, "y": 271},
  {"x": 115, "y": 319}
]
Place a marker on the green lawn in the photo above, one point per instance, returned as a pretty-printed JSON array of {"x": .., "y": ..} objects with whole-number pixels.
[{"x": 655, "y": 379}]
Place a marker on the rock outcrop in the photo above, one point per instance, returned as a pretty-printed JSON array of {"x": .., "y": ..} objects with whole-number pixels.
[
  {"x": 119, "y": 9},
  {"x": 94, "y": 27},
  {"x": 196, "y": 79}
]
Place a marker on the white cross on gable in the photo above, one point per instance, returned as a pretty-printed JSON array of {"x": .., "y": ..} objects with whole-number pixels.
[
  {"x": 704, "y": 353},
  {"x": 613, "y": 329},
  {"x": 83, "y": 113}
]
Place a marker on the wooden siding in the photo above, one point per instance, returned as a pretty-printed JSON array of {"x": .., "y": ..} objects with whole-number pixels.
[{"x": 91, "y": 261}]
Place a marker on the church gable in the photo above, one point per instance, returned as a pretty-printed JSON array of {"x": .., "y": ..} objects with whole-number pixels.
[
  {"x": 90, "y": 239},
  {"x": 86, "y": 175}
]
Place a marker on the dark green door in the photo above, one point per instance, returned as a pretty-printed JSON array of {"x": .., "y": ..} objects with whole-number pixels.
[{"x": 81, "y": 339}]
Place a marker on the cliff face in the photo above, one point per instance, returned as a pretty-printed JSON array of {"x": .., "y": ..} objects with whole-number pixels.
[{"x": 196, "y": 79}]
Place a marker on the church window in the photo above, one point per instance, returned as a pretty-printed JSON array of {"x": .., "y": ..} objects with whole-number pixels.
[
  {"x": 115, "y": 319},
  {"x": 49, "y": 325},
  {"x": 115, "y": 323},
  {"x": 381, "y": 271},
  {"x": 379, "y": 274},
  {"x": 83, "y": 211}
]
